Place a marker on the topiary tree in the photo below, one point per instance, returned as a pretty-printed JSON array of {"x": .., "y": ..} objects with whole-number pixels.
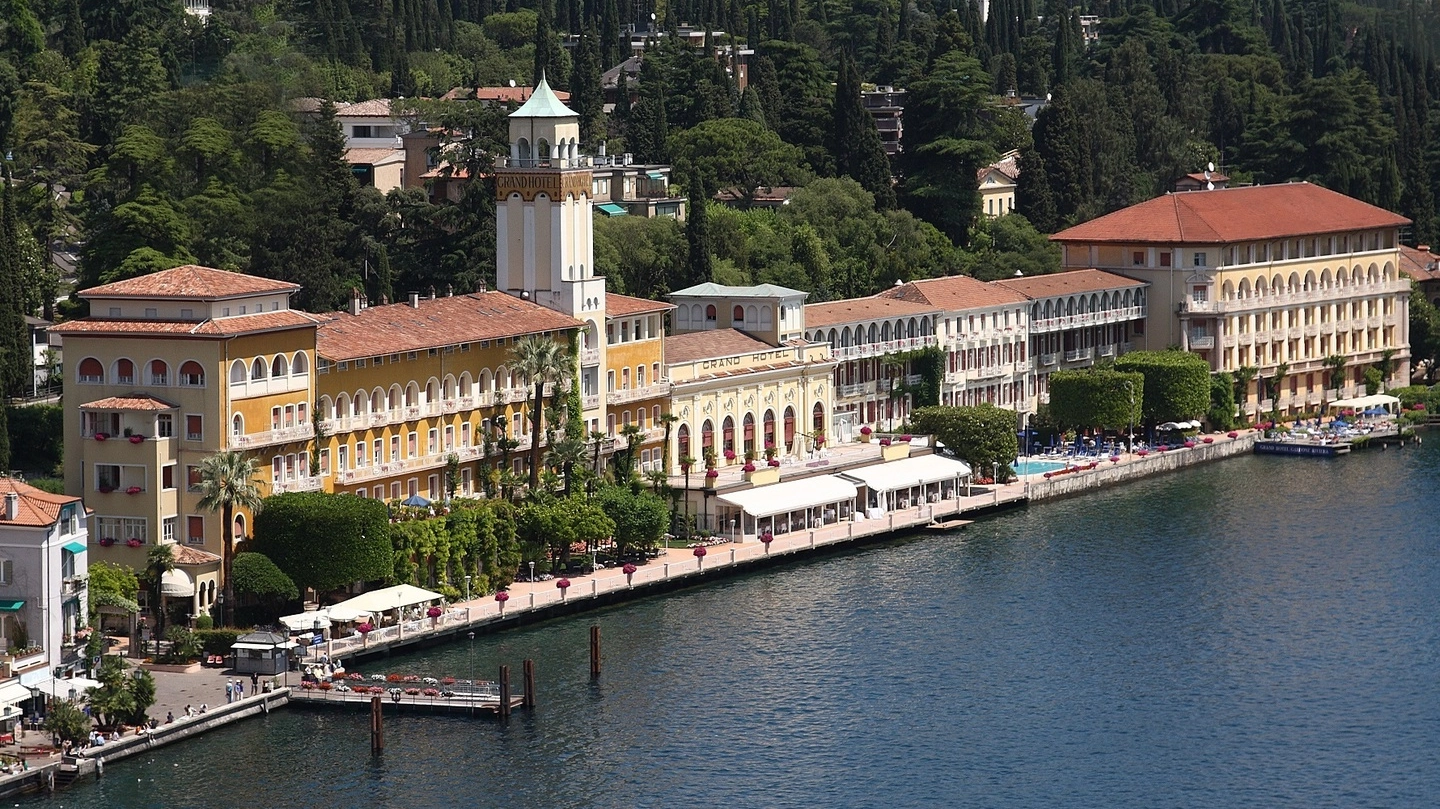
[
  {"x": 325, "y": 541},
  {"x": 1096, "y": 398},
  {"x": 1222, "y": 401},
  {"x": 257, "y": 576},
  {"x": 1177, "y": 384},
  {"x": 983, "y": 435}
]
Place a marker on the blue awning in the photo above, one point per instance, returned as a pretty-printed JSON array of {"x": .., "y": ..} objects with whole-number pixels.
[
  {"x": 74, "y": 547},
  {"x": 654, "y": 175},
  {"x": 611, "y": 209}
]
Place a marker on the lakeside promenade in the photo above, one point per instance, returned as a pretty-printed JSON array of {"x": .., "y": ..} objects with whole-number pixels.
[{"x": 679, "y": 567}]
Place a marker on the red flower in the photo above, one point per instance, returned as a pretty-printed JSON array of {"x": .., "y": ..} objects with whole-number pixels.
[
  {"x": 866, "y": 430},
  {"x": 905, "y": 438},
  {"x": 101, "y": 436},
  {"x": 562, "y": 583},
  {"x": 629, "y": 569},
  {"x": 137, "y": 439},
  {"x": 699, "y": 551},
  {"x": 434, "y": 612},
  {"x": 711, "y": 474},
  {"x": 1232, "y": 434},
  {"x": 774, "y": 462},
  {"x": 502, "y": 596},
  {"x": 729, "y": 454},
  {"x": 884, "y": 442},
  {"x": 749, "y": 467}
]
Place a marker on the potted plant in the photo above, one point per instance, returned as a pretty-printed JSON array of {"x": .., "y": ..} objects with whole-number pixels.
[
  {"x": 133, "y": 543},
  {"x": 101, "y": 436},
  {"x": 134, "y": 490},
  {"x": 106, "y": 542},
  {"x": 500, "y": 598},
  {"x": 563, "y": 584},
  {"x": 771, "y": 451},
  {"x": 884, "y": 442},
  {"x": 906, "y": 438},
  {"x": 710, "y": 475},
  {"x": 629, "y": 571},
  {"x": 434, "y": 614},
  {"x": 748, "y": 467},
  {"x": 766, "y": 538},
  {"x": 729, "y": 455},
  {"x": 137, "y": 439},
  {"x": 106, "y": 489},
  {"x": 773, "y": 463},
  {"x": 865, "y": 433},
  {"x": 699, "y": 556}
]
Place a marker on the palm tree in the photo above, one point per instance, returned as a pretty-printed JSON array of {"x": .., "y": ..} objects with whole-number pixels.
[
  {"x": 669, "y": 420},
  {"x": 227, "y": 482},
  {"x": 537, "y": 360},
  {"x": 1335, "y": 367},
  {"x": 567, "y": 454},
  {"x": 159, "y": 561},
  {"x": 1281, "y": 372},
  {"x": 1244, "y": 375}
]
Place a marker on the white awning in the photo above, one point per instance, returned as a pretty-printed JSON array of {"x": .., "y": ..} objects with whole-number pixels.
[
  {"x": 13, "y": 693},
  {"x": 60, "y": 689},
  {"x": 389, "y": 598},
  {"x": 907, "y": 472},
  {"x": 263, "y": 647},
  {"x": 1365, "y": 402},
  {"x": 306, "y": 621},
  {"x": 177, "y": 584},
  {"x": 795, "y": 495}
]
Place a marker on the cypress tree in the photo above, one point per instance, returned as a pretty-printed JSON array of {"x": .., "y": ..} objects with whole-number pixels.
[
  {"x": 547, "y": 49},
  {"x": 766, "y": 82},
  {"x": 855, "y": 142},
  {"x": 697, "y": 231},
  {"x": 15, "y": 339},
  {"x": 611, "y": 53},
  {"x": 750, "y": 106},
  {"x": 72, "y": 32},
  {"x": 1032, "y": 192},
  {"x": 4, "y": 436},
  {"x": 587, "y": 96}
]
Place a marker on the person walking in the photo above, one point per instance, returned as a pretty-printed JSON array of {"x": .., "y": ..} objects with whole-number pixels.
[
  {"x": 254, "y": 682},
  {"x": 229, "y": 691},
  {"x": 239, "y": 690}
]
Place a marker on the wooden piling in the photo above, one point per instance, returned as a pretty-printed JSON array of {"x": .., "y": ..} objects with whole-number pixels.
[
  {"x": 377, "y": 727},
  {"x": 504, "y": 692},
  {"x": 594, "y": 652},
  {"x": 529, "y": 696}
]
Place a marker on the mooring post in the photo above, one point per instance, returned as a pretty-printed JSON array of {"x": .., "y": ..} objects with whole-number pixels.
[
  {"x": 594, "y": 652},
  {"x": 377, "y": 727},
  {"x": 504, "y": 692},
  {"x": 529, "y": 674}
]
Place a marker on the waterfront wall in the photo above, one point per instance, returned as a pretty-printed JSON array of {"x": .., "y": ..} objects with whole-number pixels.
[
  {"x": 1154, "y": 464},
  {"x": 180, "y": 729}
]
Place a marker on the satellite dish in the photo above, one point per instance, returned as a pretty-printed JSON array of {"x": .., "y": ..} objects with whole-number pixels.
[
  {"x": 1047, "y": 97},
  {"x": 1210, "y": 166},
  {"x": 1209, "y": 186},
  {"x": 1207, "y": 174},
  {"x": 512, "y": 82}
]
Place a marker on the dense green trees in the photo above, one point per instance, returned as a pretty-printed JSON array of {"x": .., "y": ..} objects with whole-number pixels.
[
  {"x": 1177, "y": 384},
  {"x": 323, "y": 540},
  {"x": 983, "y": 436},
  {"x": 1096, "y": 398}
]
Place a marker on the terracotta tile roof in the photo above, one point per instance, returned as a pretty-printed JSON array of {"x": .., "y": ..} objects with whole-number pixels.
[
  {"x": 1421, "y": 265},
  {"x": 136, "y": 402},
  {"x": 503, "y": 95},
  {"x": 374, "y": 108},
  {"x": 1215, "y": 177},
  {"x": 733, "y": 372},
  {"x": 37, "y": 509},
  {"x": 857, "y": 309},
  {"x": 1008, "y": 166},
  {"x": 219, "y": 327},
  {"x": 953, "y": 293},
  {"x": 189, "y": 282},
  {"x": 1229, "y": 215},
  {"x": 704, "y": 345},
  {"x": 373, "y": 157},
  {"x": 1066, "y": 283},
  {"x": 436, "y": 323},
  {"x": 186, "y": 555},
  {"x": 617, "y": 304}
]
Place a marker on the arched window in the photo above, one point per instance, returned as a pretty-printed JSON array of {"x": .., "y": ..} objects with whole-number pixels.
[
  {"x": 710, "y": 313},
  {"x": 237, "y": 425},
  {"x": 360, "y": 400},
  {"x": 237, "y": 372},
  {"x": 682, "y": 321},
  {"x": 682, "y": 441},
  {"x": 159, "y": 372},
  {"x": 432, "y": 391},
  {"x": 258, "y": 369},
  {"x": 749, "y": 425},
  {"x": 727, "y": 434},
  {"x": 192, "y": 375},
  {"x": 342, "y": 406},
  {"x": 738, "y": 315},
  {"x": 522, "y": 149},
  {"x": 707, "y": 436},
  {"x": 327, "y": 408},
  {"x": 90, "y": 371},
  {"x": 885, "y": 332},
  {"x": 300, "y": 365},
  {"x": 789, "y": 426},
  {"x": 280, "y": 366},
  {"x": 377, "y": 401},
  {"x": 124, "y": 372},
  {"x": 465, "y": 384},
  {"x": 393, "y": 404},
  {"x": 819, "y": 420},
  {"x": 769, "y": 426},
  {"x": 412, "y": 395}
]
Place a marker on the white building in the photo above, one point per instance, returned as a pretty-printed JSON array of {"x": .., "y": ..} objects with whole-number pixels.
[{"x": 43, "y": 567}]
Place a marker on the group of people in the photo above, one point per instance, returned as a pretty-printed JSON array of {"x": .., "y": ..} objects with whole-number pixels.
[{"x": 235, "y": 689}]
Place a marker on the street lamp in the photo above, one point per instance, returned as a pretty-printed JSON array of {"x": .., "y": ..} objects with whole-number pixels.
[
  {"x": 467, "y": 588},
  {"x": 1130, "y": 443},
  {"x": 532, "y": 572},
  {"x": 995, "y": 481}
]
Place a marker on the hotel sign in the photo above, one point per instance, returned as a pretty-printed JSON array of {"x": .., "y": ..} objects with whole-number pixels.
[{"x": 758, "y": 358}]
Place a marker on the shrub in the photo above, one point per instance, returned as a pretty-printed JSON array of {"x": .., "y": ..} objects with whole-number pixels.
[
  {"x": 204, "y": 622},
  {"x": 218, "y": 641},
  {"x": 324, "y": 540},
  {"x": 1177, "y": 383}
]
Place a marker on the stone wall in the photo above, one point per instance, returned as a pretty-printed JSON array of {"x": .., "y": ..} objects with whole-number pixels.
[
  {"x": 182, "y": 728},
  {"x": 1156, "y": 463}
]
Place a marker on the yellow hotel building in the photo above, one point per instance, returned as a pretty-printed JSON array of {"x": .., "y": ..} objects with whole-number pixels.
[{"x": 1259, "y": 276}]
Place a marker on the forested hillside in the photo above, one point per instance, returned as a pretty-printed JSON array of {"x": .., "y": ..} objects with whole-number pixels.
[{"x": 150, "y": 137}]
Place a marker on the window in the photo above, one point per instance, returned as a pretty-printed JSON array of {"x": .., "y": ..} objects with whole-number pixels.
[
  {"x": 394, "y": 448},
  {"x": 151, "y": 312},
  {"x": 195, "y": 530},
  {"x": 432, "y": 441},
  {"x": 167, "y": 530},
  {"x": 122, "y": 529},
  {"x": 91, "y": 371},
  {"x": 107, "y": 477},
  {"x": 159, "y": 373},
  {"x": 1199, "y": 259},
  {"x": 193, "y": 427},
  {"x": 325, "y": 460},
  {"x": 114, "y": 311},
  {"x": 7, "y": 571},
  {"x": 192, "y": 375},
  {"x": 710, "y": 312},
  {"x": 187, "y": 314},
  {"x": 167, "y": 476},
  {"x": 412, "y": 445},
  {"x": 360, "y": 131},
  {"x": 165, "y": 426},
  {"x": 1165, "y": 259}
]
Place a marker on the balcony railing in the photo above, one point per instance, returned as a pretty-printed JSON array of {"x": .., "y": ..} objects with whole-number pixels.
[
  {"x": 590, "y": 356},
  {"x": 954, "y": 377},
  {"x": 883, "y": 347},
  {"x": 303, "y": 432},
  {"x": 15, "y": 660},
  {"x": 857, "y": 389},
  {"x": 617, "y": 397},
  {"x": 1107, "y": 350},
  {"x": 1202, "y": 341},
  {"x": 581, "y": 162},
  {"x": 991, "y": 371},
  {"x": 591, "y": 402},
  {"x": 1116, "y": 315},
  {"x": 299, "y": 484},
  {"x": 1048, "y": 359},
  {"x": 1079, "y": 354}
]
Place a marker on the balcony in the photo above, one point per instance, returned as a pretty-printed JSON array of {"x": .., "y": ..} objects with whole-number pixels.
[
  {"x": 265, "y": 387},
  {"x": 299, "y": 484},
  {"x": 14, "y": 661},
  {"x": 1079, "y": 354},
  {"x": 991, "y": 371},
  {"x": 284, "y": 435},
  {"x": 72, "y": 586},
  {"x": 591, "y": 402},
  {"x": 1193, "y": 307},
  {"x": 590, "y": 356},
  {"x": 911, "y": 380},
  {"x": 1292, "y": 333},
  {"x": 1126, "y": 347},
  {"x": 857, "y": 390},
  {"x": 1374, "y": 322},
  {"x": 954, "y": 377},
  {"x": 1107, "y": 350},
  {"x": 619, "y": 397},
  {"x": 883, "y": 347},
  {"x": 1061, "y": 323},
  {"x": 1202, "y": 341},
  {"x": 1312, "y": 330},
  {"x": 1048, "y": 359},
  {"x": 1228, "y": 341}
]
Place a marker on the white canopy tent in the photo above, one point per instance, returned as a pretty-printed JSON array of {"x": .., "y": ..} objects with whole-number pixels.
[
  {"x": 788, "y": 506},
  {"x": 306, "y": 621},
  {"x": 1362, "y": 403},
  {"x": 896, "y": 484},
  {"x": 378, "y": 601},
  {"x": 60, "y": 688}
]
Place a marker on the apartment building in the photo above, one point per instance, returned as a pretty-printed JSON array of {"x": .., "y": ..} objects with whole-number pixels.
[
  {"x": 1263, "y": 276},
  {"x": 44, "y": 562}
]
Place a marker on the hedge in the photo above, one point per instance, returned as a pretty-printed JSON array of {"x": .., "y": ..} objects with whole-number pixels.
[
  {"x": 1096, "y": 398},
  {"x": 1177, "y": 383},
  {"x": 325, "y": 541}
]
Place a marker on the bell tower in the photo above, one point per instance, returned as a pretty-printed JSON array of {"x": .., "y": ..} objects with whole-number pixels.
[{"x": 544, "y": 250}]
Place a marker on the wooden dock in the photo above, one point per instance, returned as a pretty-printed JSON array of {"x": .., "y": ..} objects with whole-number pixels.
[
  {"x": 949, "y": 525},
  {"x": 418, "y": 703}
]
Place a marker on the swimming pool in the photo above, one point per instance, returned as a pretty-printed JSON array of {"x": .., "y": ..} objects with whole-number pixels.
[{"x": 1032, "y": 466}]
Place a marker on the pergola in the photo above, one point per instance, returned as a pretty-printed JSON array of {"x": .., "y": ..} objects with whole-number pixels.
[{"x": 793, "y": 505}]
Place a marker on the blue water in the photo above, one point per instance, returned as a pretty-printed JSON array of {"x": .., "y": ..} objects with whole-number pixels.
[
  {"x": 1031, "y": 466},
  {"x": 1257, "y": 633}
]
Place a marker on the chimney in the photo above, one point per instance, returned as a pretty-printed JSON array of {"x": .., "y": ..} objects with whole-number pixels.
[
  {"x": 449, "y": 290},
  {"x": 432, "y": 292},
  {"x": 481, "y": 286},
  {"x": 12, "y": 506},
  {"x": 414, "y": 300},
  {"x": 354, "y": 301},
  {"x": 1424, "y": 248}
]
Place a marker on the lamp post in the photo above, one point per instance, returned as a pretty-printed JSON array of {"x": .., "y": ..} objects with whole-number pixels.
[
  {"x": 1130, "y": 442},
  {"x": 470, "y": 662},
  {"x": 467, "y": 588},
  {"x": 532, "y": 572},
  {"x": 995, "y": 482}
]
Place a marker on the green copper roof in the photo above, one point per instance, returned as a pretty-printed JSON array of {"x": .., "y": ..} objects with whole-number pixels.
[
  {"x": 713, "y": 290},
  {"x": 543, "y": 103}
]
